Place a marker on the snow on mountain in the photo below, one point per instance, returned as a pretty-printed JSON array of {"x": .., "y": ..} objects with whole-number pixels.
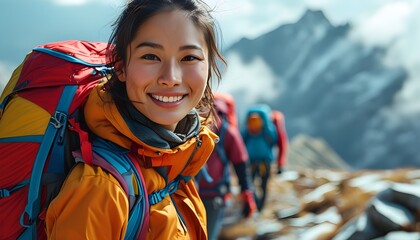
[{"x": 329, "y": 85}]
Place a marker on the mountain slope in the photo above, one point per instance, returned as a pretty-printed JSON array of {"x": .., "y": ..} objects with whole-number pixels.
[{"x": 329, "y": 86}]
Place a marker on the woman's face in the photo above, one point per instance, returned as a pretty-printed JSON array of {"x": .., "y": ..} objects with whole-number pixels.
[{"x": 167, "y": 68}]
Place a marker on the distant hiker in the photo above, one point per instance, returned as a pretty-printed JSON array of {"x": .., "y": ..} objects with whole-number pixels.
[
  {"x": 260, "y": 137},
  {"x": 229, "y": 151},
  {"x": 142, "y": 115}
]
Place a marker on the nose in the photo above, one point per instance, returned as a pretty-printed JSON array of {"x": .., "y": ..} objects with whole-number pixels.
[{"x": 170, "y": 75}]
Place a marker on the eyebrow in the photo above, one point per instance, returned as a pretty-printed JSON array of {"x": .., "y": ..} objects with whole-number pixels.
[
  {"x": 155, "y": 45},
  {"x": 194, "y": 47},
  {"x": 149, "y": 44}
]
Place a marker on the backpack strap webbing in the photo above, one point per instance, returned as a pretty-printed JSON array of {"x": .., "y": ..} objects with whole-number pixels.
[
  {"x": 171, "y": 187},
  {"x": 115, "y": 160},
  {"x": 54, "y": 132}
]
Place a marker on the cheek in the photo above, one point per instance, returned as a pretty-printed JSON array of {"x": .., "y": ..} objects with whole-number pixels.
[
  {"x": 138, "y": 76},
  {"x": 200, "y": 76},
  {"x": 135, "y": 83},
  {"x": 199, "y": 83}
]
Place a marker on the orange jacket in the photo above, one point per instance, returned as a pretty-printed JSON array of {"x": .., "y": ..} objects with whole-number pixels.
[{"x": 93, "y": 205}]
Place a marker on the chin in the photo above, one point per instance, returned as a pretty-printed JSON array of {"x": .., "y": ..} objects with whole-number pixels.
[{"x": 167, "y": 122}]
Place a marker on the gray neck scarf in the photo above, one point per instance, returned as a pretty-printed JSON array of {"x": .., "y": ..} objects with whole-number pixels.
[{"x": 154, "y": 134}]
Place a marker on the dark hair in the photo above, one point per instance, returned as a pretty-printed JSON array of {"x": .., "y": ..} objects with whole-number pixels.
[{"x": 139, "y": 11}]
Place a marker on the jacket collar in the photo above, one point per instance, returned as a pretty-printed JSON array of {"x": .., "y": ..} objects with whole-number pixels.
[
  {"x": 105, "y": 120},
  {"x": 154, "y": 134}
]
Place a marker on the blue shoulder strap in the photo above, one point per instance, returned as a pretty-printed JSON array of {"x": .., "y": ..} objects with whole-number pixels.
[
  {"x": 54, "y": 132},
  {"x": 51, "y": 143},
  {"x": 118, "y": 158}
]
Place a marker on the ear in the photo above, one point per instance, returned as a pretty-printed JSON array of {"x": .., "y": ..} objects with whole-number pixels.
[{"x": 120, "y": 71}]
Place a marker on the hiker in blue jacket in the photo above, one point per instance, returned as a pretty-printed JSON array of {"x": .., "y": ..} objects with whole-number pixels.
[{"x": 260, "y": 137}]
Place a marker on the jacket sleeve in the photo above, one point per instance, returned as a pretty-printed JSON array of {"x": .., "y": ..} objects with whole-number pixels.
[
  {"x": 237, "y": 153},
  {"x": 90, "y": 205},
  {"x": 282, "y": 142},
  {"x": 234, "y": 146}
]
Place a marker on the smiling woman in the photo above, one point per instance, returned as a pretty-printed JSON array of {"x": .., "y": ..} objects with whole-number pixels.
[
  {"x": 165, "y": 62},
  {"x": 163, "y": 55}
]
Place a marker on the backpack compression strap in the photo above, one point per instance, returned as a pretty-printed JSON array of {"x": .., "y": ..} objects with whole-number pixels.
[{"x": 171, "y": 187}]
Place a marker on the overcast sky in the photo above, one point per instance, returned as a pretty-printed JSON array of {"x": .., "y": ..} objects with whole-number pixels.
[{"x": 27, "y": 23}]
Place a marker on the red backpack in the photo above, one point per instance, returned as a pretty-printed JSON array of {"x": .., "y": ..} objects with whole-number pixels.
[
  {"x": 40, "y": 136},
  {"x": 214, "y": 178},
  {"x": 231, "y": 109}
]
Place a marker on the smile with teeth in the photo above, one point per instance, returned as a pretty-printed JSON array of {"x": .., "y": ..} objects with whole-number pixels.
[{"x": 166, "y": 98}]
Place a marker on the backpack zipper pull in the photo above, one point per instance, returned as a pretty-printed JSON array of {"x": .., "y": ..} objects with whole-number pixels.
[
  {"x": 199, "y": 142},
  {"x": 59, "y": 121}
]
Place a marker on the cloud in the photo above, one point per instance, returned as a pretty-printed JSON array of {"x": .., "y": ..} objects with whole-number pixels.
[
  {"x": 82, "y": 2},
  {"x": 27, "y": 28},
  {"x": 393, "y": 22},
  {"x": 5, "y": 73},
  {"x": 386, "y": 24},
  {"x": 249, "y": 18},
  {"x": 70, "y": 2},
  {"x": 249, "y": 83},
  {"x": 403, "y": 51},
  {"x": 344, "y": 11}
]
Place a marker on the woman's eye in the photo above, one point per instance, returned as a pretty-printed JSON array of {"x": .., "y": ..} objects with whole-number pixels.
[
  {"x": 190, "y": 58},
  {"x": 150, "y": 57}
]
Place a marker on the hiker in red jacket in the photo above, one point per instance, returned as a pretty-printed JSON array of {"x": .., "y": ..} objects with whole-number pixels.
[{"x": 214, "y": 183}]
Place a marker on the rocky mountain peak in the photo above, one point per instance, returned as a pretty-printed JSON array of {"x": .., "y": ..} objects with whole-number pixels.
[
  {"x": 313, "y": 17},
  {"x": 329, "y": 86}
]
